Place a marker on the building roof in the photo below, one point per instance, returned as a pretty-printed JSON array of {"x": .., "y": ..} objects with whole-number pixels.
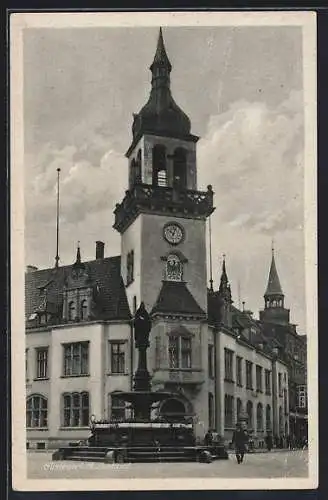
[
  {"x": 104, "y": 275},
  {"x": 273, "y": 287},
  {"x": 175, "y": 298}
]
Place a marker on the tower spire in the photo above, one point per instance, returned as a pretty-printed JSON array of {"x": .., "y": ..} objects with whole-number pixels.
[
  {"x": 273, "y": 287},
  {"x": 160, "y": 114},
  {"x": 224, "y": 288},
  {"x": 78, "y": 254},
  {"x": 161, "y": 58}
]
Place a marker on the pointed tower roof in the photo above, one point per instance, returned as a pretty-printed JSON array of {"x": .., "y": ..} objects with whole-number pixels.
[
  {"x": 161, "y": 58},
  {"x": 161, "y": 115},
  {"x": 78, "y": 261},
  {"x": 224, "y": 288},
  {"x": 273, "y": 287}
]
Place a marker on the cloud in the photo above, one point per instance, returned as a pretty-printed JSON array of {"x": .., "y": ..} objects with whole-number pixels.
[
  {"x": 252, "y": 154},
  {"x": 253, "y": 157},
  {"x": 88, "y": 193}
]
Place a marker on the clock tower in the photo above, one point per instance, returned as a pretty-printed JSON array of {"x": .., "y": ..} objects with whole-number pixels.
[{"x": 162, "y": 222}]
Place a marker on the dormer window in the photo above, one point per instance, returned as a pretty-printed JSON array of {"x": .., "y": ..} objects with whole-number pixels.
[
  {"x": 71, "y": 311},
  {"x": 84, "y": 310},
  {"x": 174, "y": 268}
]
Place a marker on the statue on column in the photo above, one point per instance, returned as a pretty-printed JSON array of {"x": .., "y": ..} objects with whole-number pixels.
[{"x": 142, "y": 327}]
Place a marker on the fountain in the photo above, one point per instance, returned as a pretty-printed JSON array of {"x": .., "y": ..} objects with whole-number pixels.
[{"x": 168, "y": 437}]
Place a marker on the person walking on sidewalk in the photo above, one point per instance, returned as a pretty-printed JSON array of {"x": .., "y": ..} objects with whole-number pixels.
[{"x": 240, "y": 441}]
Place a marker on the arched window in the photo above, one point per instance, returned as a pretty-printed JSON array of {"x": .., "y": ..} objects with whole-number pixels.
[
  {"x": 249, "y": 410},
  {"x": 159, "y": 166},
  {"x": 180, "y": 168},
  {"x": 174, "y": 268},
  {"x": 84, "y": 309},
  {"x": 239, "y": 408},
  {"x": 210, "y": 410},
  {"x": 76, "y": 409},
  {"x": 36, "y": 411},
  {"x": 268, "y": 417},
  {"x": 259, "y": 417},
  {"x": 71, "y": 311}
]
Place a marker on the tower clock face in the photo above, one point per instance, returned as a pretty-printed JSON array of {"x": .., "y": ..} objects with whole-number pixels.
[{"x": 173, "y": 233}]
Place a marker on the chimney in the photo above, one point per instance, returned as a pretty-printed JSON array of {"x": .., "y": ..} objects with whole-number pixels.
[
  {"x": 31, "y": 269},
  {"x": 100, "y": 247}
]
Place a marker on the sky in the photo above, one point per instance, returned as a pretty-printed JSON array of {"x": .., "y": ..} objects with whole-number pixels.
[{"x": 241, "y": 88}]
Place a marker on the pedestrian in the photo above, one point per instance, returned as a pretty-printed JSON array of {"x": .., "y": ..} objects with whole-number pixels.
[
  {"x": 240, "y": 441},
  {"x": 208, "y": 439},
  {"x": 268, "y": 441}
]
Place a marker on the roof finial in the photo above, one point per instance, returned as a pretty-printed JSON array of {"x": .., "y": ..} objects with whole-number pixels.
[{"x": 272, "y": 246}]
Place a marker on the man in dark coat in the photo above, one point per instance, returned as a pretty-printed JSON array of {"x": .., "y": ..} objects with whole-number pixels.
[{"x": 240, "y": 440}]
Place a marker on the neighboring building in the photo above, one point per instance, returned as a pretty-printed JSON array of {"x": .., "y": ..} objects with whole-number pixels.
[
  {"x": 216, "y": 359},
  {"x": 292, "y": 348},
  {"x": 250, "y": 379}
]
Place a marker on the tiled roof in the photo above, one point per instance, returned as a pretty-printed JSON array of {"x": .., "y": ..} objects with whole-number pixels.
[
  {"x": 175, "y": 298},
  {"x": 105, "y": 277}
]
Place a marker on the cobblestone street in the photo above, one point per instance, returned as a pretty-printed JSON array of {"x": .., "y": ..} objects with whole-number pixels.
[{"x": 258, "y": 465}]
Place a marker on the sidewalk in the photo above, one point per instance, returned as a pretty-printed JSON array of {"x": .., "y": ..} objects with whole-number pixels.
[{"x": 264, "y": 450}]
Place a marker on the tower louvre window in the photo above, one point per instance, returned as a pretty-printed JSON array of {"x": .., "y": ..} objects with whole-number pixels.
[
  {"x": 161, "y": 178},
  {"x": 159, "y": 166},
  {"x": 180, "y": 168}
]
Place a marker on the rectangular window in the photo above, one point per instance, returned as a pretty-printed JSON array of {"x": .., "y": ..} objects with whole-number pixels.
[
  {"x": 259, "y": 386},
  {"x": 117, "y": 408},
  {"x": 117, "y": 357},
  {"x": 129, "y": 267},
  {"x": 185, "y": 352},
  {"x": 180, "y": 352},
  {"x": 42, "y": 362},
  {"x": 76, "y": 409},
  {"x": 26, "y": 364},
  {"x": 280, "y": 384},
  {"x": 76, "y": 359},
  {"x": 228, "y": 365},
  {"x": 249, "y": 375},
  {"x": 228, "y": 411},
  {"x": 302, "y": 397},
  {"x": 174, "y": 352},
  {"x": 267, "y": 382},
  {"x": 211, "y": 361},
  {"x": 239, "y": 371}
]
